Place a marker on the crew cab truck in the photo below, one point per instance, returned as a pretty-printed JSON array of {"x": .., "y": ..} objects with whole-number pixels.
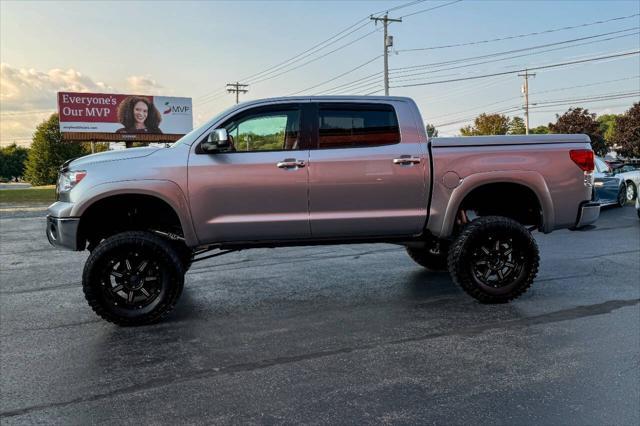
[{"x": 317, "y": 170}]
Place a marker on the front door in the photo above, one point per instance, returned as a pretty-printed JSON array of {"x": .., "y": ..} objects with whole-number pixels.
[{"x": 257, "y": 189}]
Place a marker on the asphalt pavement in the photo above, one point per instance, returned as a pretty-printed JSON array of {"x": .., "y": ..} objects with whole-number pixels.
[{"x": 328, "y": 335}]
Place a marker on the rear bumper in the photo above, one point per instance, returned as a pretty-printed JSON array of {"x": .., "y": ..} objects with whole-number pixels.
[
  {"x": 588, "y": 213},
  {"x": 63, "y": 232}
]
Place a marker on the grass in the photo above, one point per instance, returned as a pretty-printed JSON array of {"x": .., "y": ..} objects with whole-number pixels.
[{"x": 44, "y": 194}]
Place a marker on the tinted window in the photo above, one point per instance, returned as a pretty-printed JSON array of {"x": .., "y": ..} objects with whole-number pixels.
[
  {"x": 265, "y": 131},
  {"x": 343, "y": 126}
]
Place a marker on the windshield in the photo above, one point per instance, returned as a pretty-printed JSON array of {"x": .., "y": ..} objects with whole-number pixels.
[{"x": 188, "y": 138}]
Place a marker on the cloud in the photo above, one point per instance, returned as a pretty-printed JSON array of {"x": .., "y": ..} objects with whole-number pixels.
[
  {"x": 28, "y": 96},
  {"x": 27, "y": 89},
  {"x": 144, "y": 85}
]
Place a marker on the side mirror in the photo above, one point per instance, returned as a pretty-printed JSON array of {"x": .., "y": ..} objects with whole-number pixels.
[{"x": 216, "y": 141}]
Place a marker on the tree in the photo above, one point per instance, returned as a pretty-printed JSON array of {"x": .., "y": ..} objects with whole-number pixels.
[
  {"x": 580, "y": 121},
  {"x": 48, "y": 152},
  {"x": 12, "y": 159},
  {"x": 540, "y": 130},
  {"x": 517, "y": 127},
  {"x": 627, "y": 132},
  {"x": 607, "y": 124},
  {"x": 432, "y": 132},
  {"x": 492, "y": 124}
]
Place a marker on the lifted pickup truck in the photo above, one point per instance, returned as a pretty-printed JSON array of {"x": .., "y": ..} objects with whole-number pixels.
[{"x": 317, "y": 170}]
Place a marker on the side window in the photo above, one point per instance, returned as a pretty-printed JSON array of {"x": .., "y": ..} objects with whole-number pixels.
[
  {"x": 274, "y": 130},
  {"x": 360, "y": 125},
  {"x": 602, "y": 166}
]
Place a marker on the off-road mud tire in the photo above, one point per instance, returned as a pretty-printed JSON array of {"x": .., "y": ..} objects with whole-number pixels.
[
  {"x": 466, "y": 254},
  {"x": 98, "y": 284}
]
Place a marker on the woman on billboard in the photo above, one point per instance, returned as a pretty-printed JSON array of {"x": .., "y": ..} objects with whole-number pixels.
[{"x": 138, "y": 115}]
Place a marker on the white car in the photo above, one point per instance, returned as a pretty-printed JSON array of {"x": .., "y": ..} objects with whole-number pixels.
[{"x": 631, "y": 176}]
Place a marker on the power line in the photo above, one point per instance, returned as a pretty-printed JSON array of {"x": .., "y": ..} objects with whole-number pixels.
[
  {"x": 472, "y": 43},
  {"x": 312, "y": 48},
  {"x": 600, "y": 58},
  {"x": 306, "y": 53},
  {"x": 337, "y": 76},
  {"x": 315, "y": 59},
  {"x": 558, "y": 102},
  {"x": 585, "y": 85},
  {"x": 591, "y": 98},
  {"x": 431, "y": 8},
  {"x": 506, "y": 52},
  {"x": 510, "y": 57},
  {"x": 405, "y": 71},
  {"x": 558, "y": 89}
]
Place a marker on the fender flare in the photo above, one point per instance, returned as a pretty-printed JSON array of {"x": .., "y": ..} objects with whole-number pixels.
[
  {"x": 165, "y": 190},
  {"x": 529, "y": 179}
]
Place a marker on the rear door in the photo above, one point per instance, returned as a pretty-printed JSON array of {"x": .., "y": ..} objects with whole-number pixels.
[
  {"x": 256, "y": 190},
  {"x": 366, "y": 178}
]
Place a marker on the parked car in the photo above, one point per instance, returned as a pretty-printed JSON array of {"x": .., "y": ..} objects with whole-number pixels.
[
  {"x": 317, "y": 170},
  {"x": 638, "y": 206},
  {"x": 631, "y": 176},
  {"x": 609, "y": 188}
]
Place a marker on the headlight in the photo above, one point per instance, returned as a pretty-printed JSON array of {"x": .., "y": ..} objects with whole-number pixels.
[{"x": 67, "y": 180}]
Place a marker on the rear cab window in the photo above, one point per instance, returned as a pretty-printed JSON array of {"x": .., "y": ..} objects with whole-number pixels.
[{"x": 342, "y": 125}]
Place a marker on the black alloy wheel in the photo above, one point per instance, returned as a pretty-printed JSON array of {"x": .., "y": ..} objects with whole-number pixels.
[
  {"x": 133, "y": 278},
  {"x": 494, "y": 259},
  {"x": 495, "y": 263}
]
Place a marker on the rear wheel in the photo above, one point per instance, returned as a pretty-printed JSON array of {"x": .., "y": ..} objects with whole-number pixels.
[
  {"x": 133, "y": 278},
  {"x": 494, "y": 259}
]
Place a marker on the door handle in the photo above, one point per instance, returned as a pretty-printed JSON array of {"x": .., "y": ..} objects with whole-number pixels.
[
  {"x": 407, "y": 160},
  {"x": 290, "y": 163}
]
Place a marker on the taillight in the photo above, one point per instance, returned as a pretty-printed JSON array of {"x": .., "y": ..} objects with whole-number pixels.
[{"x": 583, "y": 158}]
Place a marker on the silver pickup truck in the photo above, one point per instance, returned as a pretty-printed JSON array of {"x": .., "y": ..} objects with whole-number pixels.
[{"x": 317, "y": 170}]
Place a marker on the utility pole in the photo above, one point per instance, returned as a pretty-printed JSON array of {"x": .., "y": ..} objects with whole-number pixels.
[
  {"x": 237, "y": 88},
  {"x": 525, "y": 90},
  {"x": 388, "y": 42}
]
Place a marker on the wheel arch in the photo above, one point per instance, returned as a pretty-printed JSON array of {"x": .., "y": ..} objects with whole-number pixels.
[
  {"x": 531, "y": 183},
  {"x": 166, "y": 196}
]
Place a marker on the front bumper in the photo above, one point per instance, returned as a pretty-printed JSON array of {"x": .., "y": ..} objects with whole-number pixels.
[
  {"x": 588, "y": 213},
  {"x": 63, "y": 232}
]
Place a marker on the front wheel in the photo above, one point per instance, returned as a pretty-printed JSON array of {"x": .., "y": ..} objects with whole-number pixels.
[
  {"x": 622, "y": 195},
  {"x": 494, "y": 259},
  {"x": 133, "y": 278}
]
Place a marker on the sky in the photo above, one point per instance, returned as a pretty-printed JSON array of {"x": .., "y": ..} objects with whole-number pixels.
[{"x": 194, "y": 49}]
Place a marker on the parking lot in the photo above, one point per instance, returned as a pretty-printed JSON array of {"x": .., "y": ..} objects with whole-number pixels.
[{"x": 328, "y": 335}]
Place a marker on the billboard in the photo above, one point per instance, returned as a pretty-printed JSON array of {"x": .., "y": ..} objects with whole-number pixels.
[{"x": 111, "y": 117}]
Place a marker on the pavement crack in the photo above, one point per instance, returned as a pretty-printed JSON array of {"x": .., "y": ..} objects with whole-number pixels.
[{"x": 574, "y": 313}]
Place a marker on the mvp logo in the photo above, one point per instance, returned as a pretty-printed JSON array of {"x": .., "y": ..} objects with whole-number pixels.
[
  {"x": 97, "y": 112},
  {"x": 176, "y": 109}
]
